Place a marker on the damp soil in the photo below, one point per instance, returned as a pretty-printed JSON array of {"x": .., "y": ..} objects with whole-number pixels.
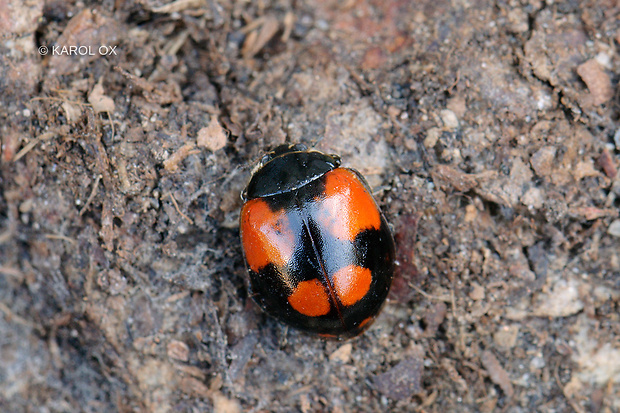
[{"x": 489, "y": 133}]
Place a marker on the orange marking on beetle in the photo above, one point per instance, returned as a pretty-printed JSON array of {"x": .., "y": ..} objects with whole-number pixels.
[
  {"x": 348, "y": 207},
  {"x": 310, "y": 298},
  {"x": 352, "y": 283},
  {"x": 266, "y": 235},
  {"x": 365, "y": 322}
]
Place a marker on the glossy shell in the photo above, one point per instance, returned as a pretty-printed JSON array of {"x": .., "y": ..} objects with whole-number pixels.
[{"x": 319, "y": 253}]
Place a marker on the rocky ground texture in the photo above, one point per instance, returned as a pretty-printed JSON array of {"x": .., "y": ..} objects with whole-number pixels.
[{"x": 488, "y": 130}]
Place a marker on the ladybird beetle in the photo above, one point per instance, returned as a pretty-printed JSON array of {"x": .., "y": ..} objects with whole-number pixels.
[{"x": 319, "y": 253}]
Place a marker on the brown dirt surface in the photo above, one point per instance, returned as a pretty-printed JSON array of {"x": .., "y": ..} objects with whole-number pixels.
[{"x": 489, "y": 130}]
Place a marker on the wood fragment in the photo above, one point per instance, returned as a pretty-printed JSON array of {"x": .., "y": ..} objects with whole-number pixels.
[
  {"x": 89, "y": 30},
  {"x": 497, "y": 373},
  {"x": 194, "y": 387},
  {"x": 136, "y": 80},
  {"x": 107, "y": 225},
  {"x": 62, "y": 238},
  {"x": 172, "y": 163},
  {"x": 10, "y": 271},
  {"x": 289, "y": 23},
  {"x": 606, "y": 162},
  {"x": 459, "y": 180},
  {"x": 591, "y": 213},
  {"x": 93, "y": 192},
  {"x": 179, "y": 6},
  {"x": 176, "y": 206},
  {"x": 43, "y": 137},
  {"x": 255, "y": 43}
]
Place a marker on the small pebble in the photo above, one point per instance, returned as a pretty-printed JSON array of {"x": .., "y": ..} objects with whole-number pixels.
[
  {"x": 449, "y": 119},
  {"x": 597, "y": 81},
  {"x": 614, "y": 228},
  {"x": 432, "y": 136},
  {"x": 537, "y": 363}
]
